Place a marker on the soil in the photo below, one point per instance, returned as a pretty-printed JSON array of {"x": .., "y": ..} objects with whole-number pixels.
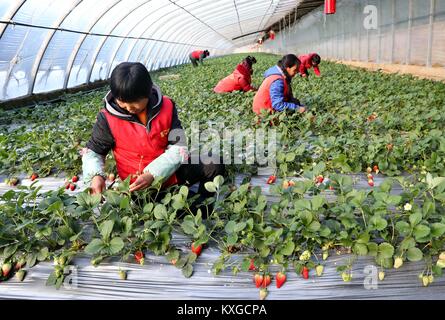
[{"x": 434, "y": 73}]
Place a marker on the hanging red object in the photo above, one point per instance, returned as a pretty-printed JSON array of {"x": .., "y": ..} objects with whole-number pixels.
[{"x": 329, "y": 6}]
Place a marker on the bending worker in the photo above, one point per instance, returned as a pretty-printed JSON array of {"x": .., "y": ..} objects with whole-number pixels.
[
  {"x": 275, "y": 93},
  {"x": 198, "y": 55},
  {"x": 240, "y": 79},
  {"x": 309, "y": 61},
  {"x": 141, "y": 127}
]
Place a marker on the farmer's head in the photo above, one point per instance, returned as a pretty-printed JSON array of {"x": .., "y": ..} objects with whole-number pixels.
[
  {"x": 131, "y": 86},
  {"x": 250, "y": 60},
  {"x": 289, "y": 64},
  {"x": 316, "y": 60}
]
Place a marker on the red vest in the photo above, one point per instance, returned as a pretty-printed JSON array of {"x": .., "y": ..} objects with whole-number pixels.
[
  {"x": 262, "y": 98},
  {"x": 135, "y": 147},
  {"x": 306, "y": 63},
  {"x": 234, "y": 81},
  {"x": 196, "y": 54}
]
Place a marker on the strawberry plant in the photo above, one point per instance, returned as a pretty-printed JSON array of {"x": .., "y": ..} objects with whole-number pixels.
[{"x": 382, "y": 126}]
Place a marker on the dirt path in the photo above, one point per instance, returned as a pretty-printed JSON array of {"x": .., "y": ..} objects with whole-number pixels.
[{"x": 436, "y": 73}]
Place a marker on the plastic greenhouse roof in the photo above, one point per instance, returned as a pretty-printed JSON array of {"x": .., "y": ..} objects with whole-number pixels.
[{"x": 49, "y": 45}]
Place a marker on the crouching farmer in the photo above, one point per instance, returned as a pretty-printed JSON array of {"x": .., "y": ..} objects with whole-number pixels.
[
  {"x": 240, "y": 79},
  {"x": 141, "y": 127}
]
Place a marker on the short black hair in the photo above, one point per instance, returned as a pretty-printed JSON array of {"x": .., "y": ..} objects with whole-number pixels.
[
  {"x": 130, "y": 82},
  {"x": 316, "y": 59}
]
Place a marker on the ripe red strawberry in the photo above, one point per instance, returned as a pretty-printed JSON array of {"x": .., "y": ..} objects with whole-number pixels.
[
  {"x": 6, "y": 268},
  {"x": 266, "y": 281},
  {"x": 305, "y": 273},
  {"x": 196, "y": 250},
  {"x": 320, "y": 179},
  {"x": 258, "y": 279},
  {"x": 138, "y": 255},
  {"x": 75, "y": 179},
  {"x": 34, "y": 176},
  {"x": 72, "y": 187},
  {"x": 252, "y": 265},
  {"x": 67, "y": 185},
  {"x": 271, "y": 179},
  {"x": 371, "y": 182},
  {"x": 375, "y": 168},
  {"x": 281, "y": 279}
]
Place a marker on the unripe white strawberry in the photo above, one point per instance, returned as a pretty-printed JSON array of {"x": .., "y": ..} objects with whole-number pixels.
[
  {"x": 325, "y": 255},
  {"x": 20, "y": 275},
  {"x": 381, "y": 275},
  {"x": 425, "y": 281},
  {"x": 319, "y": 270},
  {"x": 263, "y": 293},
  {"x": 398, "y": 262},
  {"x": 346, "y": 276},
  {"x": 122, "y": 274}
]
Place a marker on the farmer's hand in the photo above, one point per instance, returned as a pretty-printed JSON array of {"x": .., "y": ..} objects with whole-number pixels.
[
  {"x": 143, "y": 181},
  {"x": 97, "y": 185},
  {"x": 301, "y": 109}
]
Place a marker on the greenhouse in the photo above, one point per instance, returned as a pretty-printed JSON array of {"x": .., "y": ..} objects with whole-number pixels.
[{"x": 222, "y": 150}]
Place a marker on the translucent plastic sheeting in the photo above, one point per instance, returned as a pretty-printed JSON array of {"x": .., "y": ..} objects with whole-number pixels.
[
  {"x": 158, "y": 279},
  {"x": 36, "y": 60},
  {"x": 408, "y": 32},
  {"x": 20, "y": 45},
  {"x": 53, "y": 67}
]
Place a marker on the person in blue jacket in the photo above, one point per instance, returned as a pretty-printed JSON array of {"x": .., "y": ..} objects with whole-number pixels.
[{"x": 275, "y": 93}]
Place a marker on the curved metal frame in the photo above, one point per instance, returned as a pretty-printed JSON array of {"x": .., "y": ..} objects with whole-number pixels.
[
  {"x": 141, "y": 35},
  {"x": 81, "y": 40},
  {"x": 44, "y": 46},
  {"x": 10, "y": 15},
  {"x": 210, "y": 27},
  {"x": 113, "y": 56},
  {"x": 145, "y": 31},
  {"x": 96, "y": 54},
  {"x": 173, "y": 30}
]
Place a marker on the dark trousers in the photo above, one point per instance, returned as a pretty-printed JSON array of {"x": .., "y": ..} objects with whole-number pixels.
[
  {"x": 194, "y": 61},
  {"x": 189, "y": 174}
]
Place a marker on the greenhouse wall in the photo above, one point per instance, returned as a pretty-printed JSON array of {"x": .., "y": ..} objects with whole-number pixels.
[{"x": 381, "y": 31}]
